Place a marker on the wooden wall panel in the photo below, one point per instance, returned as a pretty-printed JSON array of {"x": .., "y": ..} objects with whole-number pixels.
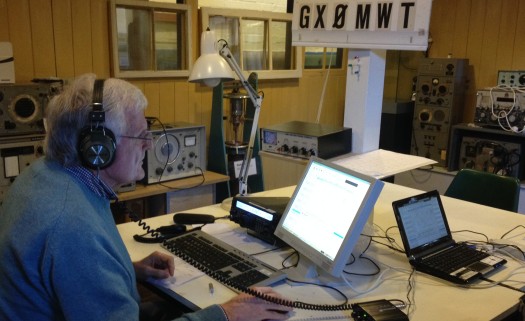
[
  {"x": 442, "y": 26},
  {"x": 20, "y": 37},
  {"x": 151, "y": 91},
  {"x": 167, "y": 101},
  {"x": 100, "y": 38},
  {"x": 518, "y": 58},
  {"x": 181, "y": 106},
  {"x": 4, "y": 25},
  {"x": 507, "y": 35},
  {"x": 461, "y": 28},
  {"x": 63, "y": 32},
  {"x": 42, "y": 38},
  {"x": 489, "y": 43},
  {"x": 82, "y": 40}
]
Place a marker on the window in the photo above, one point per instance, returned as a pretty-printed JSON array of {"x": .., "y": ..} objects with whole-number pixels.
[
  {"x": 321, "y": 58},
  {"x": 259, "y": 41},
  {"x": 150, "y": 39}
]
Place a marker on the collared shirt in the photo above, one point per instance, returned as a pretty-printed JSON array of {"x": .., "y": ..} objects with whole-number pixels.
[{"x": 94, "y": 183}]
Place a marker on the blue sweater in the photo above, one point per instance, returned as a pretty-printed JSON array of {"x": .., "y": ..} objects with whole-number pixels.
[{"x": 61, "y": 256}]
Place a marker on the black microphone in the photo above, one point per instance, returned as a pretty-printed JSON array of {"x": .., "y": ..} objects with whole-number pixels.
[{"x": 190, "y": 218}]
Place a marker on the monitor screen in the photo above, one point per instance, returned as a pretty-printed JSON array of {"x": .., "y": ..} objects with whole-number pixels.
[{"x": 325, "y": 217}]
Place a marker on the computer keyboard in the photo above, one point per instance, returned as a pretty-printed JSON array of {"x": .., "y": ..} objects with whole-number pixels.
[
  {"x": 222, "y": 261},
  {"x": 452, "y": 259}
]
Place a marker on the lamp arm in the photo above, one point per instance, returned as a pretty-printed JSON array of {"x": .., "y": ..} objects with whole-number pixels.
[
  {"x": 228, "y": 56},
  {"x": 257, "y": 102}
]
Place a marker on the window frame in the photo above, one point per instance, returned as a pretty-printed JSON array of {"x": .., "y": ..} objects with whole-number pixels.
[
  {"x": 325, "y": 59},
  {"x": 269, "y": 17},
  {"x": 149, "y": 5}
]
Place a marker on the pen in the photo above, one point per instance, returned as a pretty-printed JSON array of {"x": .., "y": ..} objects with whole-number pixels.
[{"x": 210, "y": 287}]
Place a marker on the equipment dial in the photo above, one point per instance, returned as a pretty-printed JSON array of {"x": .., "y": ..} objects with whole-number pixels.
[{"x": 167, "y": 148}]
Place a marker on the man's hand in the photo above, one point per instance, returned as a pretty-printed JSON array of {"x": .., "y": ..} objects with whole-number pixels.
[
  {"x": 157, "y": 265},
  {"x": 245, "y": 307}
]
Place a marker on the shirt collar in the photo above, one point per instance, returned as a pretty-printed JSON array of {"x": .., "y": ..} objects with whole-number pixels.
[{"x": 94, "y": 183}]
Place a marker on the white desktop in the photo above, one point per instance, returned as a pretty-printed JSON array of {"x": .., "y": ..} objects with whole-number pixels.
[{"x": 431, "y": 299}]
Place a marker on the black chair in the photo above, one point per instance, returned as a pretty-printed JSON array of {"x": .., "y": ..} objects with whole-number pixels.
[{"x": 485, "y": 188}]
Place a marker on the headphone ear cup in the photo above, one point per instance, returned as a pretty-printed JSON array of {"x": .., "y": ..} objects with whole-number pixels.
[{"x": 96, "y": 147}]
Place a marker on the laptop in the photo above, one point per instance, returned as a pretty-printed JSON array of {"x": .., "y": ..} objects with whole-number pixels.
[{"x": 430, "y": 247}]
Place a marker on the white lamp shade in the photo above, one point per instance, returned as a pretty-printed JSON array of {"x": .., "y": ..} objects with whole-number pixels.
[{"x": 210, "y": 68}]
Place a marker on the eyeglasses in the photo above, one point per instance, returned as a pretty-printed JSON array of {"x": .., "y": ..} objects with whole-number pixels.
[{"x": 148, "y": 137}]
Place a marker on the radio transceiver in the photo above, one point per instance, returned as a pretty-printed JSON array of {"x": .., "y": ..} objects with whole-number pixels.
[{"x": 260, "y": 215}]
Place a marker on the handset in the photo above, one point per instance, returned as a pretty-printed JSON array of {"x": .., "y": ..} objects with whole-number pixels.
[{"x": 192, "y": 218}]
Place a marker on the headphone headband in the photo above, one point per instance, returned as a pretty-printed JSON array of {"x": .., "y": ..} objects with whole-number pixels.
[{"x": 96, "y": 143}]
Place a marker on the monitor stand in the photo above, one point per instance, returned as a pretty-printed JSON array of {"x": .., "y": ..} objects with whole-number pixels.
[{"x": 307, "y": 272}]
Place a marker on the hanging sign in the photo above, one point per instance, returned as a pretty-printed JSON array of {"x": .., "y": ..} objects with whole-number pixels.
[{"x": 369, "y": 24}]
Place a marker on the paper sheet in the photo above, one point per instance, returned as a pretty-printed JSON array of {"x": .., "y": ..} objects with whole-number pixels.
[{"x": 382, "y": 163}]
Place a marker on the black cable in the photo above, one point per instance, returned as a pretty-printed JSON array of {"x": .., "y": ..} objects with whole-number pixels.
[
  {"x": 345, "y": 298},
  {"x": 502, "y": 284},
  {"x": 294, "y": 253},
  {"x": 514, "y": 228},
  {"x": 474, "y": 232},
  {"x": 186, "y": 188},
  {"x": 376, "y": 272},
  {"x": 410, "y": 290}
]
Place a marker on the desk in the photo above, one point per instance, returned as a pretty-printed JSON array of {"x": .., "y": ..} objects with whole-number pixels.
[
  {"x": 433, "y": 299},
  {"x": 174, "y": 185},
  {"x": 174, "y": 195}
]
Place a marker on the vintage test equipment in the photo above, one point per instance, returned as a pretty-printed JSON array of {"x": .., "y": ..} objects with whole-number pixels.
[
  {"x": 17, "y": 153},
  {"x": 440, "y": 92},
  {"x": 259, "y": 215},
  {"x": 486, "y": 149},
  {"x": 303, "y": 139},
  {"x": 179, "y": 150},
  {"x": 491, "y": 156},
  {"x": 500, "y": 108},
  {"x": 511, "y": 78},
  {"x": 22, "y": 107}
]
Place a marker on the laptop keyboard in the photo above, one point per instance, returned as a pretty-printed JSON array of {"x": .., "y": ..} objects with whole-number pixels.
[
  {"x": 222, "y": 261},
  {"x": 454, "y": 258}
]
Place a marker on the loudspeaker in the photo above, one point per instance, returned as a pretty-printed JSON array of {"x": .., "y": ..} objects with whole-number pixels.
[
  {"x": 96, "y": 143},
  {"x": 440, "y": 90}
]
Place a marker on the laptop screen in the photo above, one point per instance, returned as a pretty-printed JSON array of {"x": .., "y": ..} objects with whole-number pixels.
[{"x": 421, "y": 220}]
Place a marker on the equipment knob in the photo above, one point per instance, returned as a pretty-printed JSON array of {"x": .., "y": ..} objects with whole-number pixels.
[
  {"x": 190, "y": 165},
  {"x": 180, "y": 167},
  {"x": 304, "y": 152},
  {"x": 169, "y": 169},
  {"x": 285, "y": 148},
  {"x": 192, "y": 154},
  {"x": 295, "y": 149},
  {"x": 159, "y": 171}
]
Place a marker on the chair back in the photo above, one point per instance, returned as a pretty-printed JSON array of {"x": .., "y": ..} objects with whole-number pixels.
[{"x": 485, "y": 188}]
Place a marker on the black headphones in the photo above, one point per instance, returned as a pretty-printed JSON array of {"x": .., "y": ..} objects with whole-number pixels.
[{"x": 96, "y": 143}]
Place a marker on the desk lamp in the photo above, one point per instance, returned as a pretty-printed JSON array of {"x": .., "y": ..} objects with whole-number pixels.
[{"x": 210, "y": 69}]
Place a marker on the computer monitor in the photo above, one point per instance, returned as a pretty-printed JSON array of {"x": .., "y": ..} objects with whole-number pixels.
[{"x": 324, "y": 219}]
